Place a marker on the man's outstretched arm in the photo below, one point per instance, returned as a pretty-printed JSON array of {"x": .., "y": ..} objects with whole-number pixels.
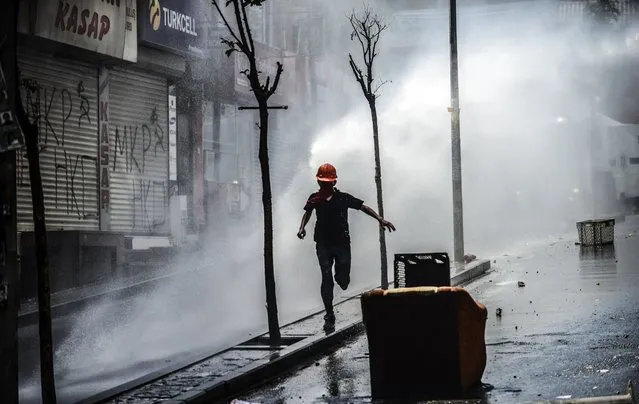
[
  {"x": 305, "y": 218},
  {"x": 384, "y": 223}
]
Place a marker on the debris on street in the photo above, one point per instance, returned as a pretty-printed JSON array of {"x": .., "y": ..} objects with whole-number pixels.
[
  {"x": 521, "y": 284},
  {"x": 498, "y": 312}
]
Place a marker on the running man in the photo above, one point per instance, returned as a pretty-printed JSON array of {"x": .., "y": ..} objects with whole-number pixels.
[{"x": 332, "y": 236}]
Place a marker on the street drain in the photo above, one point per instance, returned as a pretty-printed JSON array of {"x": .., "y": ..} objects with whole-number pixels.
[{"x": 263, "y": 343}]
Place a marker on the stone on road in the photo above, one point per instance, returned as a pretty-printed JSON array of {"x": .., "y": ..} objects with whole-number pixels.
[{"x": 570, "y": 332}]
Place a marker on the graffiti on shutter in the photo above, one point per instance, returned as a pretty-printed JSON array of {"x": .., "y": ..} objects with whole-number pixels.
[
  {"x": 61, "y": 100},
  {"x": 139, "y": 152}
]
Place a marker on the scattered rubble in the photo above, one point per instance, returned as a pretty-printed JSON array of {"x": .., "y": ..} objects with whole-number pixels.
[
  {"x": 469, "y": 258},
  {"x": 521, "y": 284},
  {"x": 498, "y": 312}
]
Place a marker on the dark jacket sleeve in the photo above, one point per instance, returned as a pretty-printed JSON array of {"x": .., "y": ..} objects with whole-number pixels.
[
  {"x": 309, "y": 204},
  {"x": 353, "y": 202}
]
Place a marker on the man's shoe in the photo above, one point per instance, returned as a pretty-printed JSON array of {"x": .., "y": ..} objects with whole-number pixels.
[
  {"x": 343, "y": 283},
  {"x": 329, "y": 322},
  {"x": 329, "y": 318}
]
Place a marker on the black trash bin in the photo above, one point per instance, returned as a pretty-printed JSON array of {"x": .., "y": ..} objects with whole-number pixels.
[{"x": 422, "y": 269}]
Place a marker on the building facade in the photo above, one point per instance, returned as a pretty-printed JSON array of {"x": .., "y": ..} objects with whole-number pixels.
[{"x": 98, "y": 78}]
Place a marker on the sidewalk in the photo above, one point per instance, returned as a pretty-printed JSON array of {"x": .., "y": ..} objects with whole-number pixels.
[
  {"x": 208, "y": 378},
  {"x": 68, "y": 301}
]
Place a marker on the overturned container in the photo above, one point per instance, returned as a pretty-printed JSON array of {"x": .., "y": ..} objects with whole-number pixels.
[
  {"x": 596, "y": 232},
  {"x": 424, "y": 343}
]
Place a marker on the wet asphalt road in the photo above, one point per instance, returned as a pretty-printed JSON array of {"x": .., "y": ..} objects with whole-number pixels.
[{"x": 573, "y": 330}]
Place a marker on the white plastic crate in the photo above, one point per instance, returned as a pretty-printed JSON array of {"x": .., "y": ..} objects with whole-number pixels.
[{"x": 596, "y": 232}]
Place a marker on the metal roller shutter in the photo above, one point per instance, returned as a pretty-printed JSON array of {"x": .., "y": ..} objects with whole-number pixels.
[
  {"x": 62, "y": 96},
  {"x": 139, "y": 144}
]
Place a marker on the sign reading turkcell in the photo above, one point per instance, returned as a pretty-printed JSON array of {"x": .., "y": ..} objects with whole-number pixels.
[{"x": 170, "y": 24}]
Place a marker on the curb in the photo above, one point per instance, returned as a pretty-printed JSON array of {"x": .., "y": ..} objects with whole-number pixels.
[
  {"x": 63, "y": 309},
  {"x": 262, "y": 371},
  {"x": 473, "y": 270},
  {"x": 266, "y": 369},
  {"x": 66, "y": 308}
]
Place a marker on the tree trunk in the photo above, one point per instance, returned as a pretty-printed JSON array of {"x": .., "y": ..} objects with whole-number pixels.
[
  {"x": 267, "y": 202},
  {"x": 9, "y": 275},
  {"x": 380, "y": 198},
  {"x": 47, "y": 380}
]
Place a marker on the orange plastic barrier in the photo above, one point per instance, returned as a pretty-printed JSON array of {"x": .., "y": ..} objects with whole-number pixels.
[{"x": 424, "y": 342}]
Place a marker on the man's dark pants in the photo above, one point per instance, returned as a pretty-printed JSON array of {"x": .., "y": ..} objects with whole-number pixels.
[{"x": 327, "y": 255}]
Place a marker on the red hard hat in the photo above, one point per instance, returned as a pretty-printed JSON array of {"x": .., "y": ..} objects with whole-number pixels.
[{"x": 327, "y": 173}]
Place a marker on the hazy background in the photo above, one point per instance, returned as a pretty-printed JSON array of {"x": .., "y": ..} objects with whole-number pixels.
[{"x": 524, "y": 123}]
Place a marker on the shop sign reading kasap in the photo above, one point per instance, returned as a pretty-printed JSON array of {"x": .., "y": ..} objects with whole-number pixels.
[{"x": 108, "y": 27}]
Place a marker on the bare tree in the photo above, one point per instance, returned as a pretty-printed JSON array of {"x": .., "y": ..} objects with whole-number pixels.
[
  {"x": 367, "y": 30},
  {"x": 241, "y": 40},
  {"x": 47, "y": 376},
  {"x": 9, "y": 279},
  {"x": 14, "y": 126}
]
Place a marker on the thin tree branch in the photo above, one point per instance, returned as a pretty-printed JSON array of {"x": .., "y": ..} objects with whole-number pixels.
[
  {"x": 380, "y": 85},
  {"x": 267, "y": 84},
  {"x": 226, "y": 23},
  {"x": 240, "y": 27},
  {"x": 380, "y": 28},
  {"x": 367, "y": 29},
  {"x": 358, "y": 75},
  {"x": 369, "y": 64},
  {"x": 249, "y": 34},
  {"x": 276, "y": 82},
  {"x": 244, "y": 42},
  {"x": 356, "y": 34}
]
